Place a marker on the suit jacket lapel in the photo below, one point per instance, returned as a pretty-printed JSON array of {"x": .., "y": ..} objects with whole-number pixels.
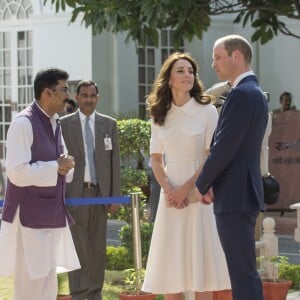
[
  {"x": 99, "y": 131},
  {"x": 76, "y": 126}
]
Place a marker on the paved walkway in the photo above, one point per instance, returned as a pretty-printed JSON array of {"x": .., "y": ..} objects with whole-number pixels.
[
  {"x": 293, "y": 296},
  {"x": 113, "y": 227},
  {"x": 287, "y": 246}
]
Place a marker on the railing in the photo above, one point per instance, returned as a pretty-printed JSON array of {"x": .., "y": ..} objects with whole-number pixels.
[
  {"x": 268, "y": 243},
  {"x": 137, "y": 255},
  {"x": 297, "y": 229}
]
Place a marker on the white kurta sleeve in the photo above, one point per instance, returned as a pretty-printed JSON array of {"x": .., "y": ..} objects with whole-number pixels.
[{"x": 19, "y": 169}]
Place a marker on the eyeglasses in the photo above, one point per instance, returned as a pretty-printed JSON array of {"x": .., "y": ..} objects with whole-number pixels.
[{"x": 64, "y": 90}]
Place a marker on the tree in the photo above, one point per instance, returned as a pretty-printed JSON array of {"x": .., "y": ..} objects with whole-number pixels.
[{"x": 142, "y": 19}]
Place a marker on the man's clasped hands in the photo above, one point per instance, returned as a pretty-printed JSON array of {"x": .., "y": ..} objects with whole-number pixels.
[{"x": 65, "y": 164}]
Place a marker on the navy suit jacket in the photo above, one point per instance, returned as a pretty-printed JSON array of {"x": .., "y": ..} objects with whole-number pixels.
[{"x": 233, "y": 165}]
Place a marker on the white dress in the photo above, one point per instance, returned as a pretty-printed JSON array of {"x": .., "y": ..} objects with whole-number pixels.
[{"x": 185, "y": 252}]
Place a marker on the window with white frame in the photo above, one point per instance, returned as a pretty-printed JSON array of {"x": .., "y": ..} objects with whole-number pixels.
[
  {"x": 150, "y": 60},
  {"x": 18, "y": 9},
  {"x": 16, "y": 87}
]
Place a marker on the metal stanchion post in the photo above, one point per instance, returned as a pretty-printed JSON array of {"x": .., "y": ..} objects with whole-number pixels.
[{"x": 136, "y": 235}]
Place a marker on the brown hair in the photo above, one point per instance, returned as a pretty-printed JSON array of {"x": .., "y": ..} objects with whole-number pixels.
[
  {"x": 236, "y": 42},
  {"x": 160, "y": 98}
]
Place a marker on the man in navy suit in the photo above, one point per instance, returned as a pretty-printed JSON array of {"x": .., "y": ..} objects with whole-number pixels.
[{"x": 232, "y": 168}]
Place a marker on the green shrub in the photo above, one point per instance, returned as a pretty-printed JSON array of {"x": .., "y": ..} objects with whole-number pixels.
[
  {"x": 126, "y": 240},
  {"x": 63, "y": 284},
  {"x": 269, "y": 266},
  {"x": 132, "y": 180},
  {"x": 134, "y": 280},
  {"x": 117, "y": 258},
  {"x": 124, "y": 212},
  {"x": 277, "y": 267},
  {"x": 291, "y": 272},
  {"x": 134, "y": 135}
]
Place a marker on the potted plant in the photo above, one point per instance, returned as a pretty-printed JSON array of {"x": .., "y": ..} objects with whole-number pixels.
[
  {"x": 133, "y": 281},
  {"x": 62, "y": 282},
  {"x": 274, "y": 287}
]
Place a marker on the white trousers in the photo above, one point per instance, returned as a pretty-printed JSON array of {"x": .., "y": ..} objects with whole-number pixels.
[{"x": 37, "y": 289}]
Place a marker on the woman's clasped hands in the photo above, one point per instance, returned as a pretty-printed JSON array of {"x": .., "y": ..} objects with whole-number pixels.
[
  {"x": 177, "y": 197},
  {"x": 181, "y": 196}
]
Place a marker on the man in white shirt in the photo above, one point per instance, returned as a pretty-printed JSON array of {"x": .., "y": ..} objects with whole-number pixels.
[
  {"x": 92, "y": 138},
  {"x": 35, "y": 237}
]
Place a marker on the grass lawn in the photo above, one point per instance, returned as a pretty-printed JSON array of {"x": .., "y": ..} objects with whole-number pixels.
[
  {"x": 113, "y": 285},
  {"x": 6, "y": 288}
]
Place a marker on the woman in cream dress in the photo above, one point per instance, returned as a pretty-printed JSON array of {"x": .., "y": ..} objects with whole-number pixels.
[{"x": 185, "y": 253}]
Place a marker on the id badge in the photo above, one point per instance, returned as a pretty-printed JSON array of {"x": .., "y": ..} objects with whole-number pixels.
[{"x": 107, "y": 143}]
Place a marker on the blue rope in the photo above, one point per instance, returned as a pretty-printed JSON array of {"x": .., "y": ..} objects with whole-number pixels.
[
  {"x": 93, "y": 201},
  {"x": 98, "y": 200}
]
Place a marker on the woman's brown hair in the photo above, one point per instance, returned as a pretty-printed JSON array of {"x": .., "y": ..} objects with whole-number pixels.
[{"x": 160, "y": 98}]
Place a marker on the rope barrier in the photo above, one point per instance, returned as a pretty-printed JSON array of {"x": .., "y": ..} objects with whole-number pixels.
[
  {"x": 93, "y": 201},
  {"x": 98, "y": 200}
]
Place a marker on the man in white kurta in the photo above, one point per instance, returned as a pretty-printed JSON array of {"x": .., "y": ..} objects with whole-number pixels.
[{"x": 32, "y": 255}]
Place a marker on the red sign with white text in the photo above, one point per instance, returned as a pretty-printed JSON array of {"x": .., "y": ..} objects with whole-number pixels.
[{"x": 284, "y": 157}]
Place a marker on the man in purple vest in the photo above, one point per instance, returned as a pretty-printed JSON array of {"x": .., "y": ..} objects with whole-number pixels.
[{"x": 35, "y": 237}]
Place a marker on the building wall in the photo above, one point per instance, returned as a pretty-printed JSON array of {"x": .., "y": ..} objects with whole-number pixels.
[
  {"x": 58, "y": 44},
  {"x": 115, "y": 70},
  {"x": 279, "y": 66}
]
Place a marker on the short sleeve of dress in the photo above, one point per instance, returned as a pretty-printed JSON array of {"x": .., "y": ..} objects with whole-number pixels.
[
  {"x": 212, "y": 120},
  {"x": 155, "y": 141}
]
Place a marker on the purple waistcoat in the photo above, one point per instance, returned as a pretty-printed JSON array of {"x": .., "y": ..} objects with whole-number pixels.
[{"x": 40, "y": 207}]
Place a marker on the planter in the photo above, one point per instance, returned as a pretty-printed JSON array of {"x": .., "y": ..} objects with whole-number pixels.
[
  {"x": 64, "y": 297},
  {"x": 222, "y": 295},
  {"x": 141, "y": 296},
  {"x": 276, "y": 290}
]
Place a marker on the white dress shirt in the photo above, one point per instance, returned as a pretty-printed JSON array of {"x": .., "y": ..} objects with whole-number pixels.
[{"x": 87, "y": 174}]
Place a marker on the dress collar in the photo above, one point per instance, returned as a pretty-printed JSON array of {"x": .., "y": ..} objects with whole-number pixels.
[{"x": 190, "y": 107}]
